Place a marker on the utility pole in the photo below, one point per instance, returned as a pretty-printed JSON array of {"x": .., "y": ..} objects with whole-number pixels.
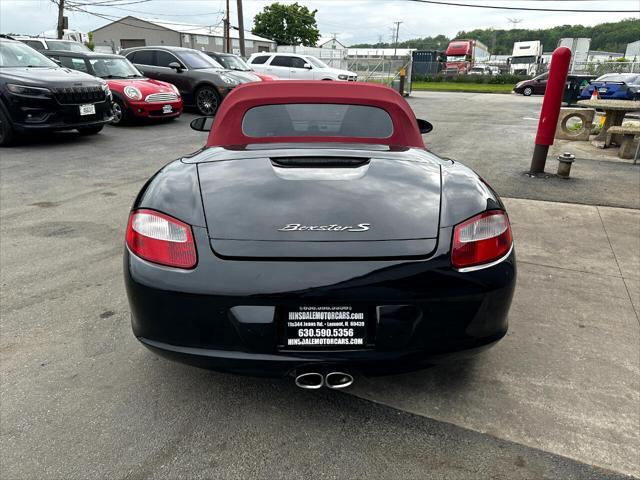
[
  {"x": 60, "y": 19},
  {"x": 241, "y": 29},
  {"x": 514, "y": 22},
  {"x": 227, "y": 31},
  {"x": 395, "y": 44}
]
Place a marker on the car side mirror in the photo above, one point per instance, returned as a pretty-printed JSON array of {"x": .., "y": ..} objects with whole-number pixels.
[
  {"x": 424, "y": 126},
  {"x": 307, "y": 66},
  {"x": 176, "y": 66},
  {"x": 202, "y": 124}
]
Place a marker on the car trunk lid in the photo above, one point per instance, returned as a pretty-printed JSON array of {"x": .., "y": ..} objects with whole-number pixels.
[{"x": 321, "y": 206}]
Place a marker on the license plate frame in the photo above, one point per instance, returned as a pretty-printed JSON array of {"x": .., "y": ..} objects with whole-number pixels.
[
  {"x": 87, "y": 109},
  {"x": 324, "y": 327}
]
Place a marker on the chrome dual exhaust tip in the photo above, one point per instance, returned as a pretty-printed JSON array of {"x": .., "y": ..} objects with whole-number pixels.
[
  {"x": 315, "y": 380},
  {"x": 337, "y": 380},
  {"x": 310, "y": 380}
]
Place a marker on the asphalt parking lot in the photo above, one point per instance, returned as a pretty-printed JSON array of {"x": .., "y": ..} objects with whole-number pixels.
[{"x": 80, "y": 398}]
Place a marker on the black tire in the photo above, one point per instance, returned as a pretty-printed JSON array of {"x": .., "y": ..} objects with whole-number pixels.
[
  {"x": 120, "y": 116},
  {"x": 527, "y": 91},
  {"x": 207, "y": 100},
  {"x": 90, "y": 130},
  {"x": 7, "y": 135}
]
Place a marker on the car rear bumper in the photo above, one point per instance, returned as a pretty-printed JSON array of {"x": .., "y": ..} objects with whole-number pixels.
[
  {"x": 370, "y": 362},
  {"x": 224, "y": 314}
]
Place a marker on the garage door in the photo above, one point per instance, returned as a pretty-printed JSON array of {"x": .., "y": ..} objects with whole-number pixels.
[{"x": 132, "y": 42}]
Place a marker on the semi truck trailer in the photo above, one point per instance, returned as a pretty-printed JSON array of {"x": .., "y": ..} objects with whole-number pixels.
[{"x": 463, "y": 55}]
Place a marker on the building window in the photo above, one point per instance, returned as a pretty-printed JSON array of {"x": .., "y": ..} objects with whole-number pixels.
[
  {"x": 202, "y": 39},
  {"x": 218, "y": 40}
]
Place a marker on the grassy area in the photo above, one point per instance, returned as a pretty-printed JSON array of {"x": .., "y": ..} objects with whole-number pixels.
[{"x": 462, "y": 87}]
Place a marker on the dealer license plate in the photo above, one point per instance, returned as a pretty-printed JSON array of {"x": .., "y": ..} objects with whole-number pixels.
[
  {"x": 88, "y": 109},
  {"x": 318, "y": 327},
  {"x": 167, "y": 109}
]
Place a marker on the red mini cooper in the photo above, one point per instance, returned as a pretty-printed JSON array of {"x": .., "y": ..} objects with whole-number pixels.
[{"x": 134, "y": 95}]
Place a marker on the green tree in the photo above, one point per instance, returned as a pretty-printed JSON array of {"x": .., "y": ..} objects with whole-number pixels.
[
  {"x": 608, "y": 37},
  {"x": 89, "y": 43},
  {"x": 287, "y": 24}
]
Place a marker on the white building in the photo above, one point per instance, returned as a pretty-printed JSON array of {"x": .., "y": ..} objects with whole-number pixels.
[
  {"x": 379, "y": 52},
  {"x": 597, "y": 56},
  {"x": 331, "y": 43}
]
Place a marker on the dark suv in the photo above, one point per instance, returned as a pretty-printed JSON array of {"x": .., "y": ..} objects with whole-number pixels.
[
  {"x": 202, "y": 81},
  {"x": 36, "y": 94}
]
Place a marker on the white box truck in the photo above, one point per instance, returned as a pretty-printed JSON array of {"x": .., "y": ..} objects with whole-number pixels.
[{"x": 526, "y": 58}]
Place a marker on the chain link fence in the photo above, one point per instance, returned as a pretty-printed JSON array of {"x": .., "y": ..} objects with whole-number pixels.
[
  {"x": 600, "y": 68},
  {"x": 587, "y": 68},
  {"x": 382, "y": 69},
  {"x": 333, "y": 57},
  {"x": 371, "y": 68}
]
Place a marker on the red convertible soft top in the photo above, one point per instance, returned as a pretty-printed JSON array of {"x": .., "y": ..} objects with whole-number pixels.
[{"x": 227, "y": 126}]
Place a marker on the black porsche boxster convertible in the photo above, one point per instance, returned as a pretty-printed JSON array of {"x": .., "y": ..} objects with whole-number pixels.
[{"x": 315, "y": 236}]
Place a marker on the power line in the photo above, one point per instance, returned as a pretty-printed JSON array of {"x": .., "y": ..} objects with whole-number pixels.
[
  {"x": 532, "y": 9},
  {"x": 112, "y": 18},
  {"x": 160, "y": 14}
]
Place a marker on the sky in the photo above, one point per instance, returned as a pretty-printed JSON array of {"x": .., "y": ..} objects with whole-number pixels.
[{"x": 353, "y": 21}]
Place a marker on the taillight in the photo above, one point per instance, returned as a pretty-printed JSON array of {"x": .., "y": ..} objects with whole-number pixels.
[
  {"x": 481, "y": 239},
  {"x": 162, "y": 239}
]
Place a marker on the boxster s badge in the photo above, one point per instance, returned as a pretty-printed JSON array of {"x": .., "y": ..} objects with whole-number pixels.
[{"x": 314, "y": 236}]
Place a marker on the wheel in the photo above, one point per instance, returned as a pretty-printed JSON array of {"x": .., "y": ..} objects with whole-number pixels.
[
  {"x": 527, "y": 91},
  {"x": 7, "y": 135},
  {"x": 90, "y": 130},
  {"x": 207, "y": 101},
  {"x": 119, "y": 113}
]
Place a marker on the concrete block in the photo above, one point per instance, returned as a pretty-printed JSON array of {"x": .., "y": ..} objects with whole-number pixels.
[{"x": 584, "y": 114}]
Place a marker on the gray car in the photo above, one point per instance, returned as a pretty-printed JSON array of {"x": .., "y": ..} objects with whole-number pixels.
[{"x": 202, "y": 82}]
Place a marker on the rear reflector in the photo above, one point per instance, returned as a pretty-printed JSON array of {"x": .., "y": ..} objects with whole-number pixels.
[
  {"x": 481, "y": 239},
  {"x": 162, "y": 239}
]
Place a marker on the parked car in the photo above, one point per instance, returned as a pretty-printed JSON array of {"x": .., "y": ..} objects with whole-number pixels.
[
  {"x": 134, "y": 95},
  {"x": 42, "y": 44},
  {"x": 201, "y": 81},
  {"x": 480, "y": 70},
  {"x": 614, "y": 86},
  {"x": 36, "y": 94},
  {"x": 293, "y": 66},
  {"x": 536, "y": 85},
  {"x": 237, "y": 63},
  {"x": 335, "y": 244}
]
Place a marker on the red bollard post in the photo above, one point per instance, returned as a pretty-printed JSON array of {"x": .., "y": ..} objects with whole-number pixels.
[{"x": 550, "y": 107}]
